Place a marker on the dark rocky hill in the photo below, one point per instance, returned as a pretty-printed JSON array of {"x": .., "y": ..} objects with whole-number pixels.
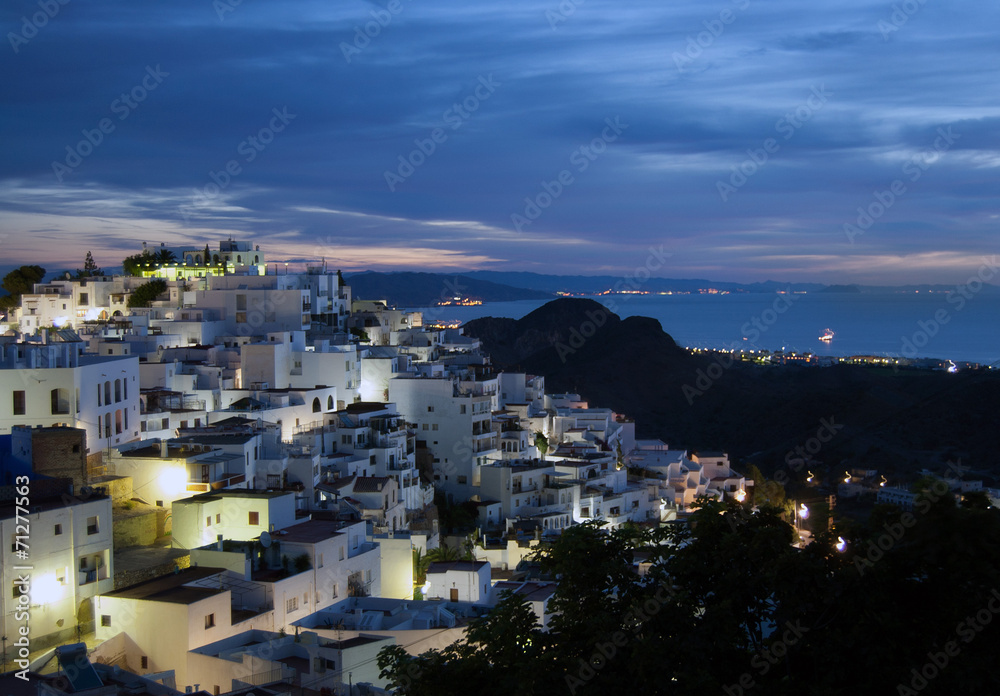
[{"x": 894, "y": 421}]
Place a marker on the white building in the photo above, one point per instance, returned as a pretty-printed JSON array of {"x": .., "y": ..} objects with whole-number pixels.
[
  {"x": 57, "y": 384},
  {"x": 460, "y": 581},
  {"x": 70, "y": 558}
]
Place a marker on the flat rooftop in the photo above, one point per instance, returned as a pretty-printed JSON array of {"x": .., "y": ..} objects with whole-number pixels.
[
  {"x": 310, "y": 532},
  {"x": 172, "y": 588}
]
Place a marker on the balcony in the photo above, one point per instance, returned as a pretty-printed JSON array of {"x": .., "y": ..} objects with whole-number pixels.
[{"x": 233, "y": 480}]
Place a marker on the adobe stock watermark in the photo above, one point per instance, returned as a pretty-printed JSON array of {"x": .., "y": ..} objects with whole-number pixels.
[
  {"x": 752, "y": 330},
  {"x": 606, "y": 651},
  {"x": 30, "y": 26},
  {"x": 786, "y": 126},
  {"x": 912, "y": 169},
  {"x": 596, "y": 318},
  {"x": 929, "y": 328},
  {"x": 364, "y": 34},
  {"x": 453, "y": 117},
  {"x": 714, "y": 28},
  {"x": 901, "y": 13},
  {"x": 249, "y": 148},
  {"x": 706, "y": 377},
  {"x": 565, "y": 10},
  {"x": 795, "y": 459},
  {"x": 894, "y": 532},
  {"x": 581, "y": 159},
  {"x": 937, "y": 661},
  {"x": 122, "y": 106},
  {"x": 768, "y": 657}
]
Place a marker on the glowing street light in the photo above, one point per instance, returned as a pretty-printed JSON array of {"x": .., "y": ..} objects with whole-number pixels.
[
  {"x": 841, "y": 544},
  {"x": 803, "y": 511},
  {"x": 847, "y": 477},
  {"x": 809, "y": 478},
  {"x": 741, "y": 495}
]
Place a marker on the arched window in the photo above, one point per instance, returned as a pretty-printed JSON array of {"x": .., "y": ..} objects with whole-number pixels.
[
  {"x": 239, "y": 259},
  {"x": 107, "y": 392},
  {"x": 329, "y": 403},
  {"x": 118, "y": 422},
  {"x": 316, "y": 406},
  {"x": 197, "y": 259},
  {"x": 256, "y": 259},
  {"x": 190, "y": 258},
  {"x": 118, "y": 390}
]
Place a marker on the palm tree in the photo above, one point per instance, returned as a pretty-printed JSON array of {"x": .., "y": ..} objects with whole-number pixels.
[
  {"x": 420, "y": 565},
  {"x": 442, "y": 554},
  {"x": 165, "y": 256}
]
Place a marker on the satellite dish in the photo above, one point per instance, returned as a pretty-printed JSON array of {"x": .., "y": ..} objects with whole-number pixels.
[{"x": 265, "y": 539}]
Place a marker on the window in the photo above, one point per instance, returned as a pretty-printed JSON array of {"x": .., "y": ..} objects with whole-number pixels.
[
  {"x": 20, "y": 405},
  {"x": 60, "y": 401},
  {"x": 253, "y": 519},
  {"x": 585, "y": 512},
  {"x": 218, "y": 518},
  {"x": 105, "y": 620},
  {"x": 329, "y": 403},
  {"x": 58, "y": 530},
  {"x": 461, "y": 479},
  {"x": 461, "y": 408},
  {"x": 84, "y": 299},
  {"x": 316, "y": 405},
  {"x": 118, "y": 390},
  {"x": 208, "y": 521},
  {"x": 341, "y": 553},
  {"x": 424, "y": 426},
  {"x": 292, "y": 605},
  {"x": 210, "y": 621},
  {"x": 92, "y": 525},
  {"x": 107, "y": 393},
  {"x": 118, "y": 422},
  {"x": 430, "y": 409},
  {"x": 144, "y": 662},
  {"x": 434, "y": 426}
]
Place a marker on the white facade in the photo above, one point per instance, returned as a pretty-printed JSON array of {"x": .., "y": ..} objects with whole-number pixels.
[
  {"x": 55, "y": 384},
  {"x": 70, "y": 558}
]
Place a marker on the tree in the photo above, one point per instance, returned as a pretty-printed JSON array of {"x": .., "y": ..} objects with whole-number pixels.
[
  {"x": 89, "y": 268},
  {"x": 207, "y": 256},
  {"x": 542, "y": 443},
  {"x": 20, "y": 281},
  {"x": 145, "y": 294}
]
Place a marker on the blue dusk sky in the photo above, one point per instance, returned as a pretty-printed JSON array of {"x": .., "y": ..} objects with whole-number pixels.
[{"x": 849, "y": 141}]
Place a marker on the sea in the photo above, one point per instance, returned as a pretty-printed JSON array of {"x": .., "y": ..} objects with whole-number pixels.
[{"x": 965, "y": 329}]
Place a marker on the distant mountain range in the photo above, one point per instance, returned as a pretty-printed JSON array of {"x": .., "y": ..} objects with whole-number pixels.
[
  {"x": 408, "y": 289},
  {"x": 426, "y": 289}
]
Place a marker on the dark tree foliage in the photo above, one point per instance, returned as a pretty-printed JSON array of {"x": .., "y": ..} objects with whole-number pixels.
[
  {"x": 908, "y": 605},
  {"x": 90, "y": 268},
  {"x": 20, "y": 281},
  {"x": 144, "y": 295},
  {"x": 134, "y": 265}
]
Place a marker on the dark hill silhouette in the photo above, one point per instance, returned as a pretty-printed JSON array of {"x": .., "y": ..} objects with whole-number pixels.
[{"x": 897, "y": 422}]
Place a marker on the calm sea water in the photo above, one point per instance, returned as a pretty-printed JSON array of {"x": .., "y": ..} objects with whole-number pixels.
[{"x": 895, "y": 324}]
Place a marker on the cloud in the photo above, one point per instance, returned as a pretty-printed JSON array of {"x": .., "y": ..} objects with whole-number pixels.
[{"x": 321, "y": 180}]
